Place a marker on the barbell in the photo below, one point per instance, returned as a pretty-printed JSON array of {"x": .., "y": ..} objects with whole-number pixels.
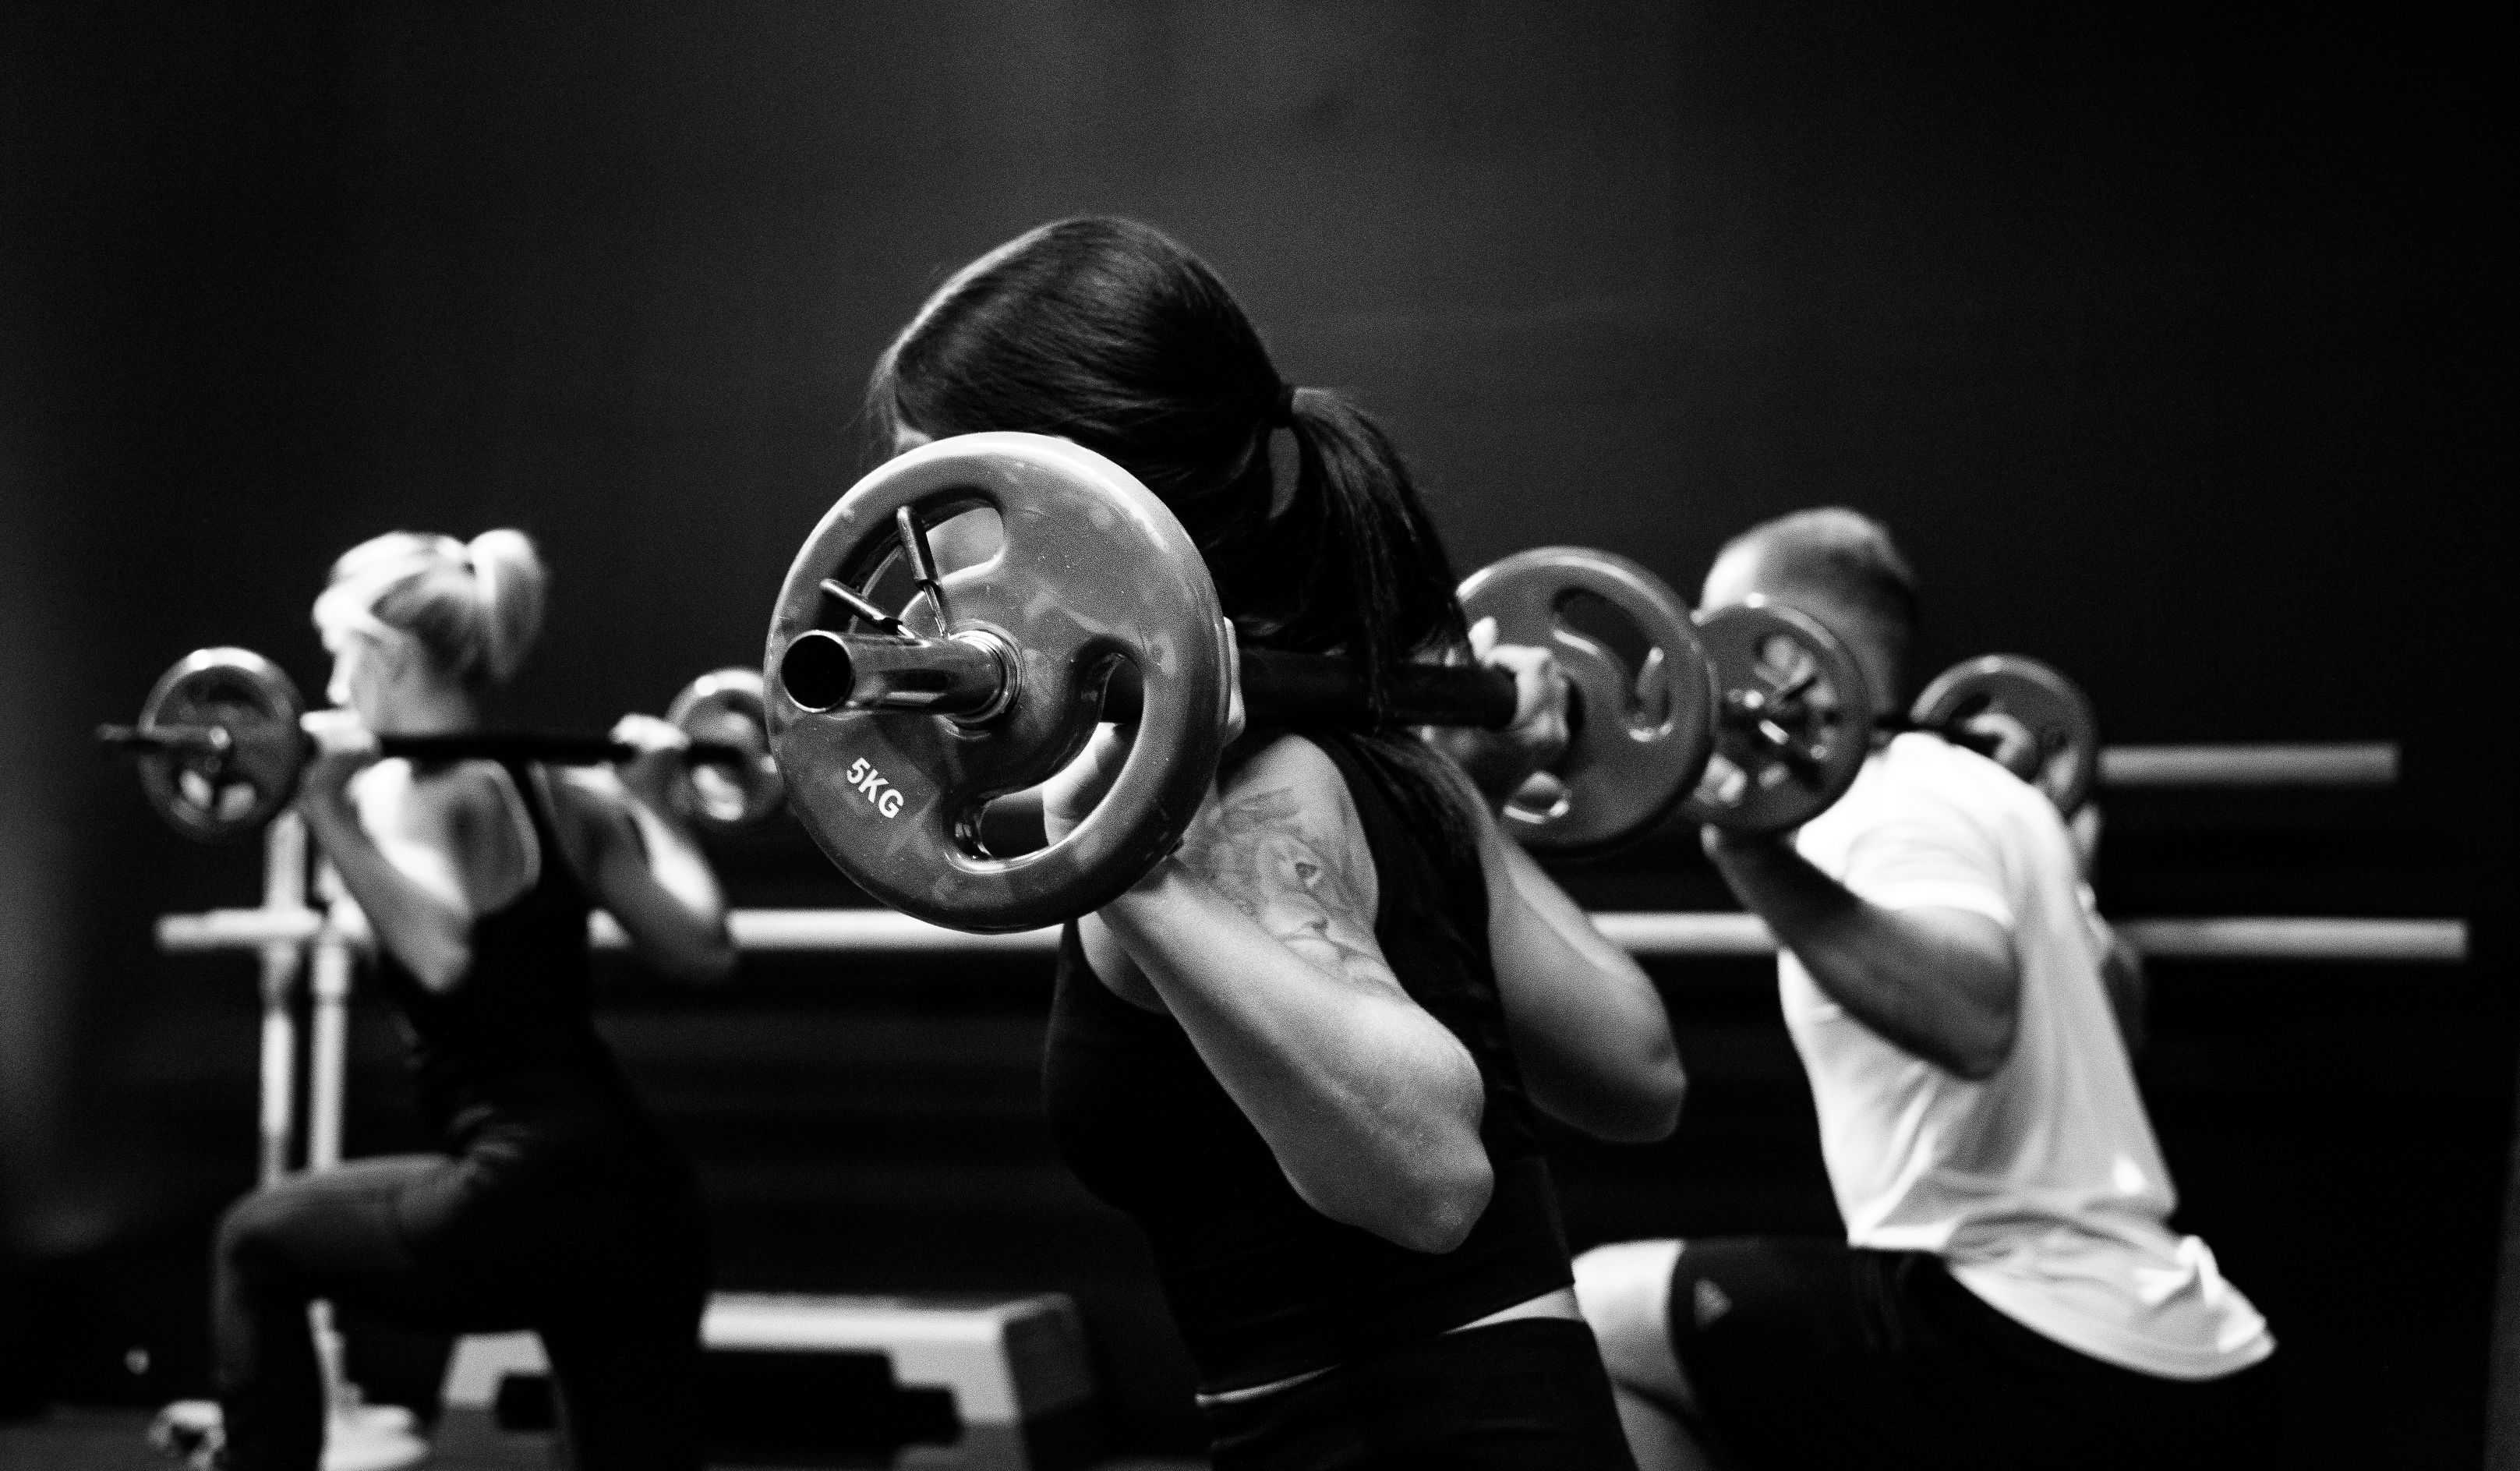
[
  {"x": 220, "y": 749},
  {"x": 899, "y": 722}
]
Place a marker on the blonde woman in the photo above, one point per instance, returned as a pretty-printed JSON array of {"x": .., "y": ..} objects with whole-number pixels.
[{"x": 554, "y": 1202}]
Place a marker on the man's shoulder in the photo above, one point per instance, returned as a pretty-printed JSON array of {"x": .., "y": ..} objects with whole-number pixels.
[
  {"x": 1914, "y": 776},
  {"x": 1923, "y": 786},
  {"x": 1916, "y": 767},
  {"x": 1918, "y": 787}
]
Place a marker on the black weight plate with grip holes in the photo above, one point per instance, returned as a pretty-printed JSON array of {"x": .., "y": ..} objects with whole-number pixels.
[
  {"x": 224, "y": 796},
  {"x": 1091, "y": 571},
  {"x": 2028, "y": 717},
  {"x": 1638, "y": 734},
  {"x": 1793, "y": 719},
  {"x": 725, "y": 707}
]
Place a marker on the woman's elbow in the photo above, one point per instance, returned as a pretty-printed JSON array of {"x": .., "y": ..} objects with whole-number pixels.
[
  {"x": 441, "y": 967},
  {"x": 1445, "y": 1203},
  {"x": 437, "y": 956},
  {"x": 714, "y": 969},
  {"x": 1429, "y": 1204},
  {"x": 713, "y": 962},
  {"x": 1630, "y": 1097},
  {"x": 706, "y": 957},
  {"x": 1651, "y": 1109}
]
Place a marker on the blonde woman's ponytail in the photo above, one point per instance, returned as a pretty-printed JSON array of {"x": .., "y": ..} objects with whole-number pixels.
[{"x": 509, "y": 580}]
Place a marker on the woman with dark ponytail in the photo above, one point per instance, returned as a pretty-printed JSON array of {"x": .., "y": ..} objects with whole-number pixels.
[
  {"x": 551, "y": 1201},
  {"x": 1304, "y": 1053}
]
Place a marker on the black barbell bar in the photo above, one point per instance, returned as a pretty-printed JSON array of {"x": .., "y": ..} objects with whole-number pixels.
[{"x": 468, "y": 745}]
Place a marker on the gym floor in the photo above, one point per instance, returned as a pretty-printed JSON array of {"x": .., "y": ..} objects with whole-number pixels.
[{"x": 116, "y": 1440}]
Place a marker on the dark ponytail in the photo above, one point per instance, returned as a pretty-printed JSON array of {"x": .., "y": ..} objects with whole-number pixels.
[
  {"x": 1352, "y": 563},
  {"x": 1109, "y": 332}
]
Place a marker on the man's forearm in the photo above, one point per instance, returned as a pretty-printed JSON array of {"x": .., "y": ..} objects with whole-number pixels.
[{"x": 1939, "y": 984}]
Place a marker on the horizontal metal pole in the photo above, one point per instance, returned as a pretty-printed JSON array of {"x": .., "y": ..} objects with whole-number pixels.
[
  {"x": 1648, "y": 935},
  {"x": 2442, "y": 942},
  {"x": 2343, "y": 764},
  {"x": 239, "y": 929},
  {"x": 849, "y": 932}
]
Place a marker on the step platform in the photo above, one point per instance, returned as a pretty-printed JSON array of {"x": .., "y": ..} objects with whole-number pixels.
[{"x": 943, "y": 1383}]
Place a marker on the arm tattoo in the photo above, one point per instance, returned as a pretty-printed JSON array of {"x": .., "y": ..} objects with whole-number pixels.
[{"x": 1258, "y": 851}]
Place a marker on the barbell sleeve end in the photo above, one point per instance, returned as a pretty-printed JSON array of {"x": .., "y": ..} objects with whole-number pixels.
[
  {"x": 967, "y": 677},
  {"x": 120, "y": 740},
  {"x": 817, "y": 670}
]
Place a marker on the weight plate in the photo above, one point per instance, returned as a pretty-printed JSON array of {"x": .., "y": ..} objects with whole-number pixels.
[
  {"x": 1637, "y": 730},
  {"x": 1793, "y": 720},
  {"x": 2037, "y": 722},
  {"x": 725, "y": 707},
  {"x": 227, "y": 795},
  {"x": 1091, "y": 573}
]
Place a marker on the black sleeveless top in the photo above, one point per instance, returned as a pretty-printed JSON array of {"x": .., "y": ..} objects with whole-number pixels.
[
  {"x": 510, "y": 1047},
  {"x": 1261, "y": 1285}
]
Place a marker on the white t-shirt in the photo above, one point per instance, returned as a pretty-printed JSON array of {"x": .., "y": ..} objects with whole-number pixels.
[{"x": 2041, "y": 1186}]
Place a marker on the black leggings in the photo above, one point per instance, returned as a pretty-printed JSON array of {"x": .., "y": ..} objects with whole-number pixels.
[
  {"x": 1526, "y": 1393},
  {"x": 611, "y": 1271}
]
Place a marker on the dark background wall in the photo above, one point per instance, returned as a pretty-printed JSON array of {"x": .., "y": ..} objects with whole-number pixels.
[{"x": 2165, "y": 340}]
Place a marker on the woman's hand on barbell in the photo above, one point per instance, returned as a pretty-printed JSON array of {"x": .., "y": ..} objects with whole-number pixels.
[
  {"x": 1499, "y": 762},
  {"x": 343, "y": 747}
]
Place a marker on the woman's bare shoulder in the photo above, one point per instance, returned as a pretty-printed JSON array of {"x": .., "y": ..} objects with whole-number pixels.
[
  {"x": 417, "y": 801},
  {"x": 1286, "y": 781},
  {"x": 1283, "y": 815}
]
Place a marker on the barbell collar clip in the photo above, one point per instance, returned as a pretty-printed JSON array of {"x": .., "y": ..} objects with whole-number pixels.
[
  {"x": 856, "y": 602},
  {"x": 922, "y": 563}
]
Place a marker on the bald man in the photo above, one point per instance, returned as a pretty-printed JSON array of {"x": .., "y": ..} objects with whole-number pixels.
[{"x": 2008, "y": 1292}]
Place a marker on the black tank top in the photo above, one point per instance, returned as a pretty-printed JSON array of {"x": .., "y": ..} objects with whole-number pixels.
[
  {"x": 1261, "y": 1285},
  {"x": 512, "y": 1044}
]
